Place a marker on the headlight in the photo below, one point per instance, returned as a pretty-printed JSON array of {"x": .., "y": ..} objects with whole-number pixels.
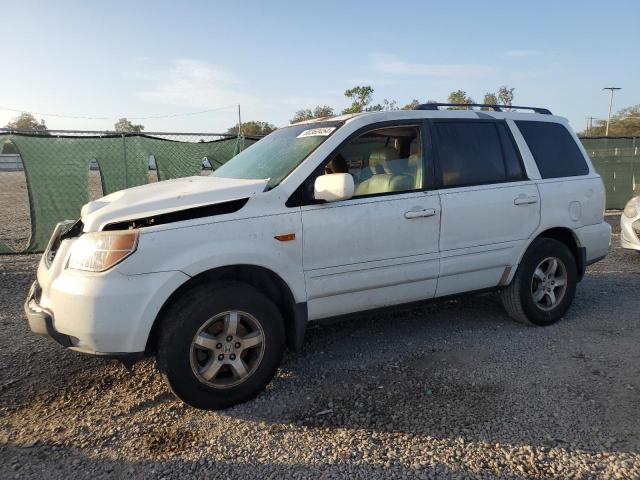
[
  {"x": 631, "y": 208},
  {"x": 99, "y": 251}
]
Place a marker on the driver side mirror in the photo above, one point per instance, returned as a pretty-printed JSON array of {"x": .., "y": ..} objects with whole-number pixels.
[{"x": 332, "y": 187}]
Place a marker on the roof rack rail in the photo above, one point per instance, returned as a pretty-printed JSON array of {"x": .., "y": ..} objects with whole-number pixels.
[{"x": 495, "y": 108}]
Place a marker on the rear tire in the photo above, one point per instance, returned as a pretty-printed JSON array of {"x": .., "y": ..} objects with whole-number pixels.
[
  {"x": 544, "y": 285},
  {"x": 220, "y": 345}
]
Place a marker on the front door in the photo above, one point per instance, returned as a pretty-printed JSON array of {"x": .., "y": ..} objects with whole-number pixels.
[{"x": 380, "y": 247}]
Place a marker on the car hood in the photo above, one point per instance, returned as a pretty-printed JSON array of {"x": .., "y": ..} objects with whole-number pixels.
[{"x": 166, "y": 197}]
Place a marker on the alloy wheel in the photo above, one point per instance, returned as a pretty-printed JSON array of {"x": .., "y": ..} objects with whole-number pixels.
[
  {"x": 227, "y": 349},
  {"x": 549, "y": 283}
]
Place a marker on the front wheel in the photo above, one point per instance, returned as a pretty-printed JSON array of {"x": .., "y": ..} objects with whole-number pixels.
[
  {"x": 220, "y": 345},
  {"x": 544, "y": 285}
]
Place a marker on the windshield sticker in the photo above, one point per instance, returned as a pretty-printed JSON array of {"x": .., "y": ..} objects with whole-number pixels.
[{"x": 317, "y": 132}]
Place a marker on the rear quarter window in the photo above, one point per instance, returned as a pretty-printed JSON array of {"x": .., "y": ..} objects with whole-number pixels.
[{"x": 553, "y": 148}]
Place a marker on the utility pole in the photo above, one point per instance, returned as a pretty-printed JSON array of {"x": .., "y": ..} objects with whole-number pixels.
[
  {"x": 611, "y": 90},
  {"x": 590, "y": 125},
  {"x": 239, "y": 123}
]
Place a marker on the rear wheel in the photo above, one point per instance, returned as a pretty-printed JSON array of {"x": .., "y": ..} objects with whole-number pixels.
[
  {"x": 220, "y": 345},
  {"x": 544, "y": 285}
]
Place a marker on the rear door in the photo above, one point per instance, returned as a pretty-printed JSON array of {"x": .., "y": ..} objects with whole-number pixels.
[{"x": 489, "y": 207}]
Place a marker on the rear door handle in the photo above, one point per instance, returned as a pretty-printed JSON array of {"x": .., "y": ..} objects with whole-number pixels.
[
  {"x": 525, "y": 200},
  {"x": 427, "y": 212}
]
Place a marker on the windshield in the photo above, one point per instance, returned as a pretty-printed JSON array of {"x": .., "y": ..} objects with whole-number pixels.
[{"x": 276, "y": 155}]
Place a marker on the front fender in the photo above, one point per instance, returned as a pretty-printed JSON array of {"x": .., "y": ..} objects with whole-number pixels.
[{"x": 248, "y": 241}]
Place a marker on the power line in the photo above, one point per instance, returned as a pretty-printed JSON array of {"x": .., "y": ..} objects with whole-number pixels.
[{"x": 147, "y": 117}]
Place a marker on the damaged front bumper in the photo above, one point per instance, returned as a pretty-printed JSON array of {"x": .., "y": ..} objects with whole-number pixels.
[
  {"x": 41, "y": 323},
  {"x": 41, "y": 320}
]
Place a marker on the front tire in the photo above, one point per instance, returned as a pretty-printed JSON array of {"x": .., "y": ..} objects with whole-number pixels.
[
  {"x": 544, "y": 285},
  {"x": 220, "y": 345}
]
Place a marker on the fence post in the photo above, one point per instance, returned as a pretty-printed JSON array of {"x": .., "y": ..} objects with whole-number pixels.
[{"x": 124, "y": 158}]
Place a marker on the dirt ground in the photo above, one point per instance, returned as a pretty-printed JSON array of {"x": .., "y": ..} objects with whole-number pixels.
[{"x": 453, "y": 389}]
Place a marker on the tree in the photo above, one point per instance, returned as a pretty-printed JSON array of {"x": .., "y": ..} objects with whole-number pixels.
[
  {"x": 307, "y": 114},
  {"x": 625, "y": 123},
  {"x": 459, "y": 97},
  {"x": 26, "y": 121},
  {"x": 505, "y": 96},
  {"x": 389, "y": 105},
  {"x": 125, "y": 126},
  {"x": 490, "y": 99},
  {"x": 360, "y": 97},
  {"x": 412, "y": 105},
  {"x": 386, "y": 106},
  {"x": 302, "y": 115},
  {"x": 253, "y": 128}
]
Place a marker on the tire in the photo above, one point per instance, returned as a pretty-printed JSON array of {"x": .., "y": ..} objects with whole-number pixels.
[
  {"x": 520, "y": 298},
  {"x": 193, "y": 343}
]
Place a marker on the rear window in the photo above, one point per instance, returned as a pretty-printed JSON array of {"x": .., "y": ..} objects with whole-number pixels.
[{"x": 553, "y": 148}]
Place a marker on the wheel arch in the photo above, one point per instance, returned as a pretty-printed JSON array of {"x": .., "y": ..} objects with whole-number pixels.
[
  {"x": 264, "y": 280},
  {"x": 569, "y": 238}
]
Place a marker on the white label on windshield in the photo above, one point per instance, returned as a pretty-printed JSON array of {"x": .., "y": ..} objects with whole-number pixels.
[{"x": 317, "y": 132}]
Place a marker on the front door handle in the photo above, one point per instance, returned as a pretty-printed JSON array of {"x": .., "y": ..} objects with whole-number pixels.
[
  {"x": 525, "y": 200},
  {"x": 427, "y": 212}
]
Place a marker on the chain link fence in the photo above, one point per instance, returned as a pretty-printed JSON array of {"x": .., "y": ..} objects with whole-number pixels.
[{"x": 46, "y": 177}]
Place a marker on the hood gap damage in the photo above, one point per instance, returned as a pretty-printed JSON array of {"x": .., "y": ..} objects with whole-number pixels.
[{"x": 179, "y": 215}]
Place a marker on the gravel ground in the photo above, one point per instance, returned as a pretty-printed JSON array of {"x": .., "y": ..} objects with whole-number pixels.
[{"x": 450, "y": 390}]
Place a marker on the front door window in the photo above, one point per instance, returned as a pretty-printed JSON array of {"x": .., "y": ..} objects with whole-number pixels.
[{"x": 384, "y": 160}]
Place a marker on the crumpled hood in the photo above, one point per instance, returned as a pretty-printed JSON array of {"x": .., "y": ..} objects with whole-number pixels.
[{"x": 165, "y": 197}]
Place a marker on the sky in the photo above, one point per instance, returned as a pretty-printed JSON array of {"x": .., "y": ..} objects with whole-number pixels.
[{"x": 106, "y": 60}]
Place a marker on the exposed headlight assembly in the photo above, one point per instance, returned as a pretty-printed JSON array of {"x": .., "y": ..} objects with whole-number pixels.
[
  {"x": 631, "y": 208},
  {"x": 99, "y": 251}
]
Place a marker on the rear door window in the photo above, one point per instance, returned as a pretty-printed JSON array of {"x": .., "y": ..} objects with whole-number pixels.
[
  {"x": 553, "y": 148},
  {"x": 512, "y": 160},
  {"x": 475, "y": 153}
]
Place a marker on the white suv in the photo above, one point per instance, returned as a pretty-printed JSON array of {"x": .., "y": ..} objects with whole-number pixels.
[{"x": 216, "y": 276}]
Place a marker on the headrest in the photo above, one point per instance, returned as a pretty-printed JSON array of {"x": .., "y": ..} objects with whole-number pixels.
[{"x": 379, "y": 158}]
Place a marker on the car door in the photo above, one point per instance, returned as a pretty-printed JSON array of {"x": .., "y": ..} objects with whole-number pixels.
[
  {"x": 489, "y": 207},
  {"x": 380, "y": 247}
]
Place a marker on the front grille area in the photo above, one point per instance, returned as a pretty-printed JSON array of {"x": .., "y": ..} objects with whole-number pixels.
[{"x": 63, "y": 230}]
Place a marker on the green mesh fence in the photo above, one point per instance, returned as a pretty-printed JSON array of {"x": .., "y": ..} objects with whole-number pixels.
[
  {"x": 48, "y": 178},
  {"x": 617, "y": 160},
  {"x": 53, "y": 176}
]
